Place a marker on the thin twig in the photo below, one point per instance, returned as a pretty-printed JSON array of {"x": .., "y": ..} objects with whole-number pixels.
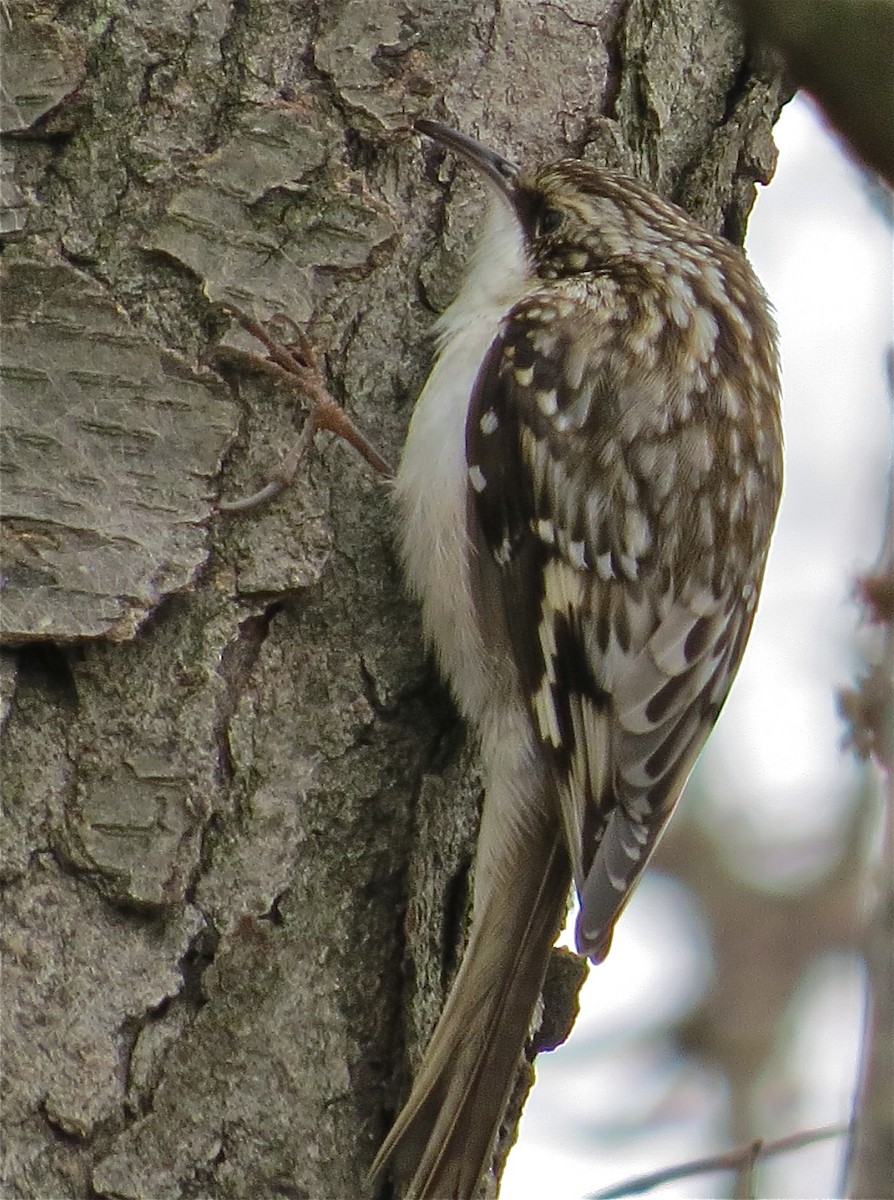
[
  {"x": 730, "y": 1160},
  {"x": 748, "y": 1170},
  {"x": 868, "y": 1171}
]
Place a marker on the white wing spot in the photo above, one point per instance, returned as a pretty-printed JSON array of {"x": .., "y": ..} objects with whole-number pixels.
[
  {"x": 637, "y": 535},
  {"x": 640, "y": 835},
  {"x": 503, "y": 553},
  {"x": 577, "y": 552},
  {"x": 604, "y": 566},
  {"x": 548, "y": 402},
  {"x": 618, "y": 882},
  {"x": 629, "y": 565},
  {"x": 489, "y": 422},
  {"x": 681, "y": 301},
  {"x": 696, "y": 448},
  {"x": 545, "y": 712},
  {"x": 704, "y": 333},
  {"x": 524, "y": 376},
  {"x": 543, "y": 341},
  {"x": 476, "y": 478},
  {"x": 546, "y": 531},
  {"x": 751, "y": 484},
  {"x": 731, "y": 399},
  {"x": 576, "y": 363}
]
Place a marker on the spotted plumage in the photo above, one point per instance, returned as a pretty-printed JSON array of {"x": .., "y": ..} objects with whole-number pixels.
[
  {"x": 587, "y": 495},
  {"x": 616, "y": 526}
]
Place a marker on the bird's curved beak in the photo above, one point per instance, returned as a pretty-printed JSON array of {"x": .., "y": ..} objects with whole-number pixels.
[{"x": 498, "y": 170}]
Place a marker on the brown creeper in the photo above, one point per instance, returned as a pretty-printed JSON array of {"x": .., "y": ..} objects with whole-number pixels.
[{"x": 587, "y": 493}]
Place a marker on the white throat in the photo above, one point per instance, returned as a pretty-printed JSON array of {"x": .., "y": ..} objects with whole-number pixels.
[
  {"x": 496, "y": 277},
  {"x": 432, "y": 481}
]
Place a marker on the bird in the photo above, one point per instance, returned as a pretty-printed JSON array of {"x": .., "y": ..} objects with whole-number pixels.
[{"x": 585, "y": 502}]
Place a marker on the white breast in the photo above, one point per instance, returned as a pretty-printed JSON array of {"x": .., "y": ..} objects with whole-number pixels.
[{"x": 432, "y": 481}]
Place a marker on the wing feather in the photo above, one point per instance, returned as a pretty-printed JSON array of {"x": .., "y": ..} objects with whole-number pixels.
[{"x": 625, "y": 634}]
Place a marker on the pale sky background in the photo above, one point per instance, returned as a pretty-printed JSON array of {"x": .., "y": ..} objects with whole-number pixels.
[{"x": 824, "y": 254}]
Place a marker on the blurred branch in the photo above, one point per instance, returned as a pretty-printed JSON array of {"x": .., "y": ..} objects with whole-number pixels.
[
  {"x": 743, "y": 1158},
  {"x": 742, "y": 1018},
  {"x": 841, "y": 52},
  {"x": 870, "y": 710}
]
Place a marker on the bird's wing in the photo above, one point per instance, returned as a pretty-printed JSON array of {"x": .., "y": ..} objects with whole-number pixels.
[{"x": 597, "y": 541}]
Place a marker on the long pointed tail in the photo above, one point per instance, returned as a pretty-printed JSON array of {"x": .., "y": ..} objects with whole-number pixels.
[{"x": 444, "y": 1136}]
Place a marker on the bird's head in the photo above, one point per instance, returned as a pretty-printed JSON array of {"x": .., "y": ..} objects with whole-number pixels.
[{"x": 573, "y": 216}]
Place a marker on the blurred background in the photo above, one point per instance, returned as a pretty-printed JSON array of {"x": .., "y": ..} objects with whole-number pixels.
[{"x": 731, "y": 1004}]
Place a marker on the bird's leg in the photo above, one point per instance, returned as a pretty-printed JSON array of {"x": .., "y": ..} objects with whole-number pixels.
[{"x": 297, "y": 365}]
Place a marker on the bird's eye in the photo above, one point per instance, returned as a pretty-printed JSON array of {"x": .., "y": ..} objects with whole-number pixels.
[{"x": 549, "y": 221}]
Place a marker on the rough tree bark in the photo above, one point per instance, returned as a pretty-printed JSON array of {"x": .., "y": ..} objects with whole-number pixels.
[{"x": 239, "y": 813}]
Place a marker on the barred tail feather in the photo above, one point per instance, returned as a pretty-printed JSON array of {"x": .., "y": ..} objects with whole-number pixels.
[{"x": 443, "y": 1138}]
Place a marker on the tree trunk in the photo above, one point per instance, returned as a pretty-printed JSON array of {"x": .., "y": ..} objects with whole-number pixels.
[{"x": 239, "y": 811}]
